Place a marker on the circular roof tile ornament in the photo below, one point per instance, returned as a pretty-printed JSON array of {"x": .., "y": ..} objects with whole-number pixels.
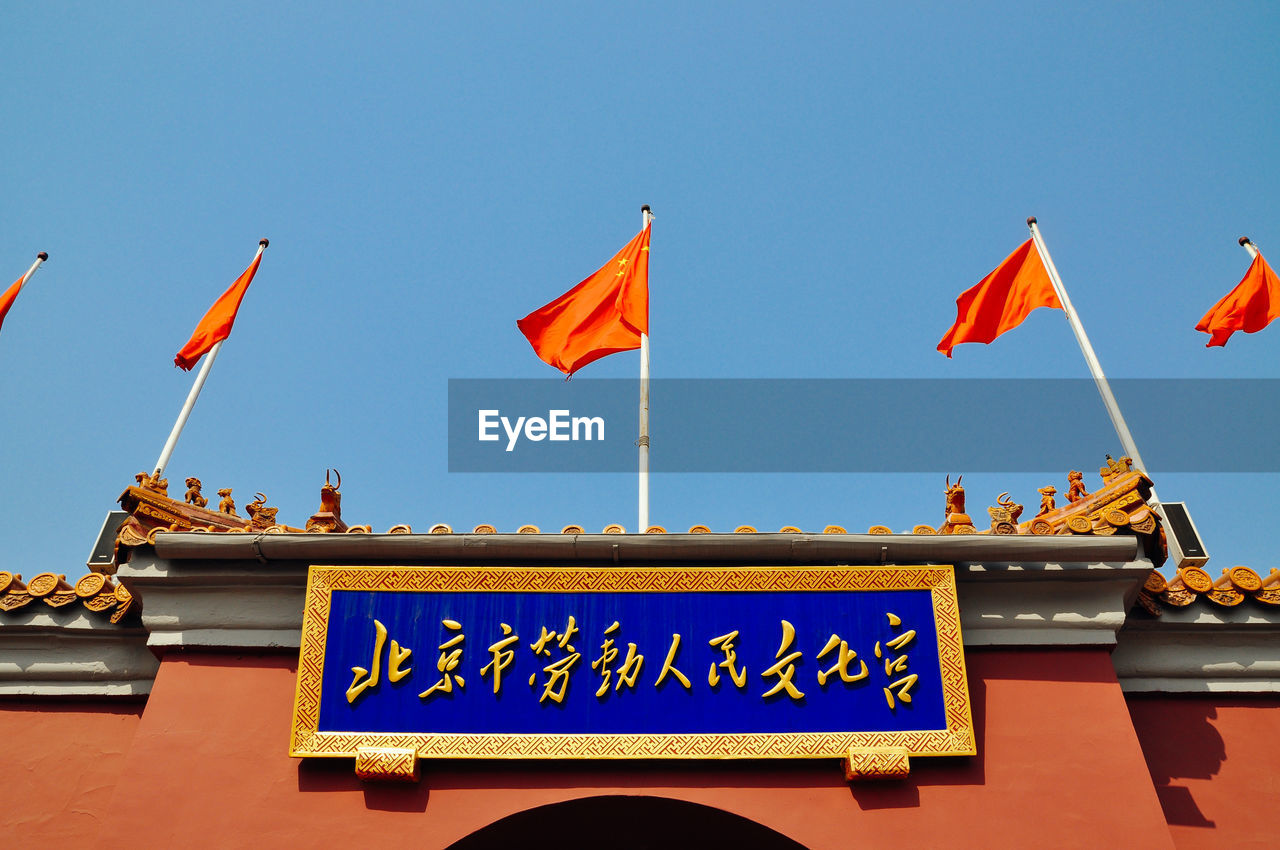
[
  {"x": 90, "y": 585},
  {"x": 699, "y": 529},
  {"x": 484, "y": 528},
  {"x": 1079, "y": 525},
  {"x": 43, "y": 584},
  {"x": 1244, "y": 579},
  {"x": 614, "y": 528},
  {"x": 1196, "y": 579},
  {"x": 1116, "y": 517},
  {"x": 879, "y": 529},
  {"x": 834, "y": 529}
]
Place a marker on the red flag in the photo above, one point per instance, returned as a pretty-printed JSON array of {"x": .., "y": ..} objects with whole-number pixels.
[
  {"x": 1002, "y": 299},
  {"x": 216, "y": 324},
  {"x": 6, "y": 300},
  {"x": 1250, "y": 307},
  {"x": 604, "y": 314}
]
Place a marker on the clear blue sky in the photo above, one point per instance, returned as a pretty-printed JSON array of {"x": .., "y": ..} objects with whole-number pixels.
[{"x": 826, "y": 180}]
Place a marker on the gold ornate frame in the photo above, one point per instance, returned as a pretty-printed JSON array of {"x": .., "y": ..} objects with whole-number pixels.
[{"x": 956, "y": 739}]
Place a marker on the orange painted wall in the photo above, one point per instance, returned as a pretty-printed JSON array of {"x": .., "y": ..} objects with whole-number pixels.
[
  {"x": 1059, "y": 764},
  {"x": 59, "y": 762},
  {"x": 1215, "y": 764}
]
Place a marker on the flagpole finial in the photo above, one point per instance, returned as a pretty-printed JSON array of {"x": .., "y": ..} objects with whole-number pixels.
[
  {"x": 1243, "y": 240},
  {"x": 44, "y": 256},
  {"x": 645, "y": 208},
  {"x": 264, "y": 242},
  {"x": 1031, "y": 220}
]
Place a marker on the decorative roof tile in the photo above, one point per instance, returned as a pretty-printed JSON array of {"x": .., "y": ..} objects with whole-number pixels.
[
  {"x": 1194, "y": 584},
  {"x": 97, "y": 593}
]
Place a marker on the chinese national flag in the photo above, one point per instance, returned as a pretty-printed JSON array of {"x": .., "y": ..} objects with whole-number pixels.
[
  {"x": 6, "y": 300},
  {"x": 604, "y": 314},
  {"x": 216, "y": 324},
  {"x": 1250, "y": 307},
  {"x": 1002, "y": 299}
]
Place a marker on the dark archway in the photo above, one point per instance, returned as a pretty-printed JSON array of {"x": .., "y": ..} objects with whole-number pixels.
[{"x": 626, "y": 823}]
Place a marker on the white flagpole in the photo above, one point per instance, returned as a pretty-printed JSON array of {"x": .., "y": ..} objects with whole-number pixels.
[
  {"x": 646, "y": 216},
  {"x": 201, "y": 376},
  {"x": 22, "y": 281},
  {"x": 1249, "y": 247},
  {"x": 1104, "y": 388}
]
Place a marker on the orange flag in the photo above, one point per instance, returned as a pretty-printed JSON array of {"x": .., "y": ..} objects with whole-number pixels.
[
  {"x": 604, "y": 314},
  {"x": 1250, "y": 307},
  {"x": 216, "y": 324},
  {"x": 1002, "y": 299},
  {"x": 6, "y": 300}
]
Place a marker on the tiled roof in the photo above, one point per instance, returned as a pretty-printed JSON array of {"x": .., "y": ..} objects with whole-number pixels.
[
  {"x": 1236, "y": 586},
  {"x": 96, "y": 592},
  {"x": 1118, "y": 505}
]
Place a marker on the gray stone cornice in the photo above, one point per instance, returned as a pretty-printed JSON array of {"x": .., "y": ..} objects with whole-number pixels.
[
  {"x": 72, "y": 652},
  {"x": 1201, "y": 649}
]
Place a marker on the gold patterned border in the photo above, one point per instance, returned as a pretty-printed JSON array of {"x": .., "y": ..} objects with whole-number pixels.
[{"x": 956, "y": 739}]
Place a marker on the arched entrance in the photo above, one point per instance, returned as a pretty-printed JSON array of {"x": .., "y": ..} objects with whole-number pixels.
[{"x": 626, "y": 823}]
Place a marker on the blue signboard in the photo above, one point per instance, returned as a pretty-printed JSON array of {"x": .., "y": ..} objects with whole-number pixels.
[{"x": 631, "y": 662}]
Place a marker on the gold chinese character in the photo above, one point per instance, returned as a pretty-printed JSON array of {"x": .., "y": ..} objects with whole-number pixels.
[
  {"x": 893, "y": 666},
  {"x": 629, "y": 670},
  {"x": 785, "y": 667},
  {"x": 668, "y": 666},
  {"x": 396, "y": 656},
  {"x": 502, "y": 657},
  {"x": 372, "y": 673},
  {"x": 607, "y": 654},
  {"x": 557, "y": 683},
  {"x": 844, "y": 657},
  {"x": 725, "y": 644},
  {"x": 448, "y": 662}
]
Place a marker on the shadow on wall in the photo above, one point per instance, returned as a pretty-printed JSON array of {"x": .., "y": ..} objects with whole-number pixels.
[
  {"x": 1179, "y": 741},
  {"x": 626, "y": 823}
]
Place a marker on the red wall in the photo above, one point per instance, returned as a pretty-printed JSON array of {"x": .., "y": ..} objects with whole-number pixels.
[
  {"x": 59, "y": 762},
  {"x": 1214, "y": 762},
  {"x": 1059, "y": 764}
]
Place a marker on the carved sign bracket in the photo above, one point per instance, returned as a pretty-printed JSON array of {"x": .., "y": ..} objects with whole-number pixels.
[
  {"x": 387, "y": 764},
  {"x": 880, "y": 763}
]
